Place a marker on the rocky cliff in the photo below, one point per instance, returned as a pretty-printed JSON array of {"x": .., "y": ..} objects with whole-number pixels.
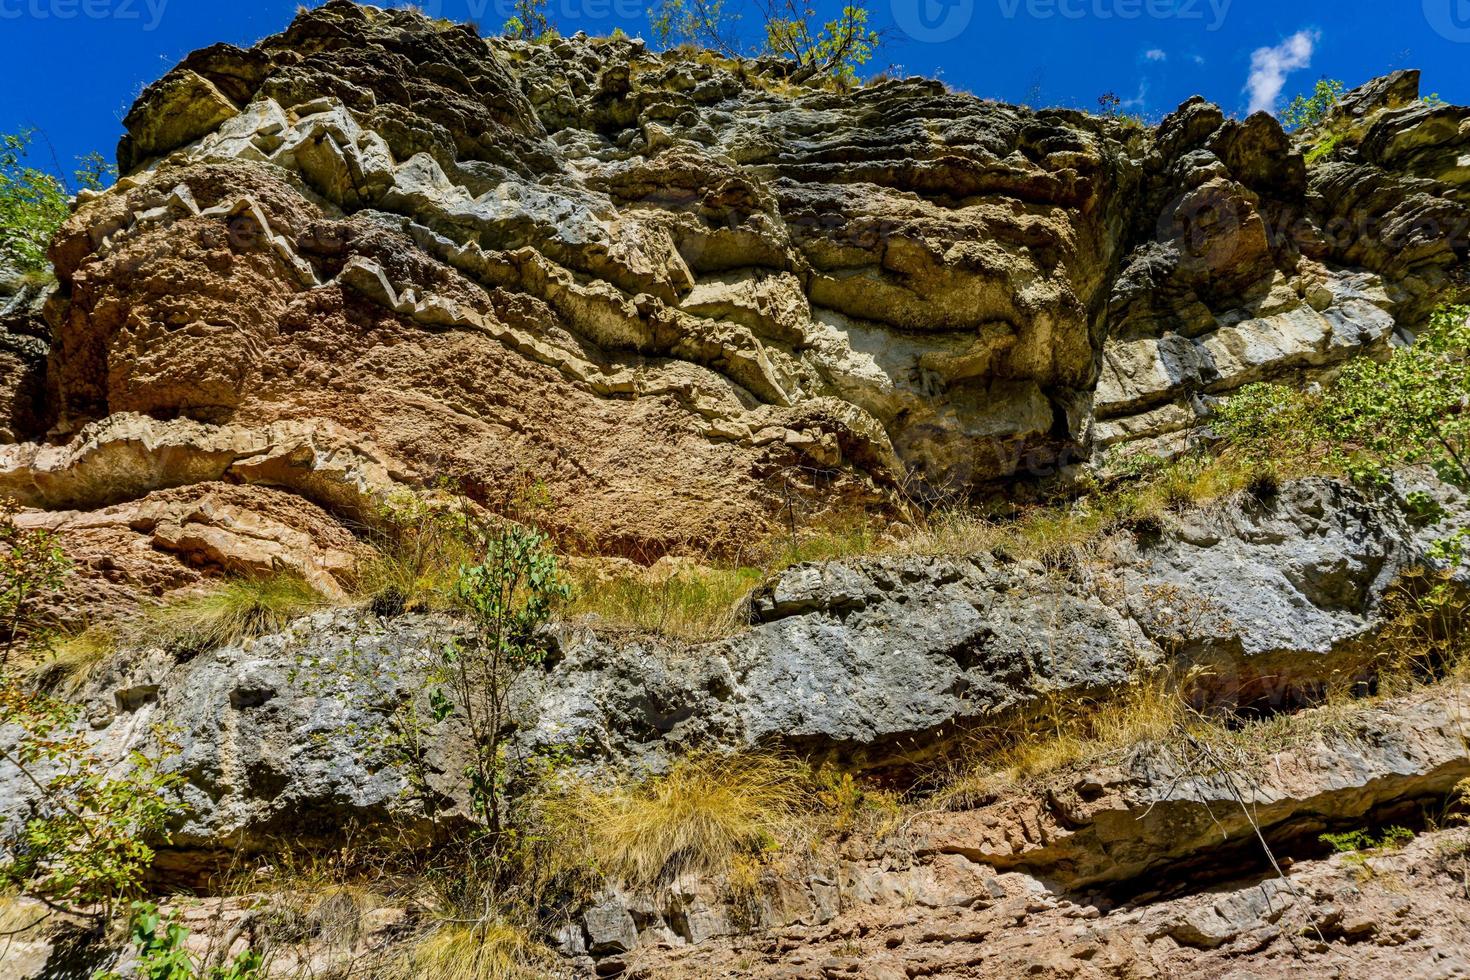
[
  {"x": 691, "y": 301},
  {"x": 677, "y": 291}
]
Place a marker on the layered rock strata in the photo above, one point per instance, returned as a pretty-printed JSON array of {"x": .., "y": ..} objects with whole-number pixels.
[{"x": 684, "y": 294}]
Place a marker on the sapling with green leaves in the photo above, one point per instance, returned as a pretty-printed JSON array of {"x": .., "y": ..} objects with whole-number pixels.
[
  {"x": 509, "y": 588},
  {"x": 790, "y": 29},
  {"x": 528, "y": 21},
  {"x": 1412, "y": 407},
  {"x": 86, "y": 837},
  {"x": 1306, "y": 111}
]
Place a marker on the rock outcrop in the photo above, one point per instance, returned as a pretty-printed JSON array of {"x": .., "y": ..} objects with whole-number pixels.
[
  {"x": 880, "y": 659},
  {"x": 1346, "y": 915},
  {"x": 685, "y": 302},
  {"x": 686, "y": 294},
  {"x": 876, "y": 662}
]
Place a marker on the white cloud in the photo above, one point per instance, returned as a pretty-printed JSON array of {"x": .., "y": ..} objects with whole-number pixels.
[
  {"x": 1137, "y": 102},
  {"x": 1270, "y": 66},
  {"x": 1156, "y": 54},
  {"x": 1199, "y": 59}
]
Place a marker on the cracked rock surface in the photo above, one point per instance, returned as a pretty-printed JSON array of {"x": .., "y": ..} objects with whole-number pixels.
[{"x": 678, "y": 291}]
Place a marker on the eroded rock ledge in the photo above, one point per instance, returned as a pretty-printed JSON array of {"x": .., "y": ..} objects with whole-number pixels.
[
  {"x": 681, "y": 292},
  {"x": 688, "y": 296}
]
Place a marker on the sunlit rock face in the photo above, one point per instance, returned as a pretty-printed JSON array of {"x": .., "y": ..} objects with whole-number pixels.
[{"x": 685, "y": 294}]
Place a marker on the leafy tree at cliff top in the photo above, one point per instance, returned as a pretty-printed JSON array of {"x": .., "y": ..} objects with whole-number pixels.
[
  {"x": 34, "y": 203},
  {"x": 1308, "y": 111},
  {"x": 834, "y": 49},
  {"x": 529, "y": 21}
]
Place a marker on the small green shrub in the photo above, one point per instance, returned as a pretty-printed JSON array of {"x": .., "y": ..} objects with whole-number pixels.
[
  {"x": 1406, "y": 409},
  {"x": 89, "y": 838},
  {"x": 510, "y": 587},
  {"x": 88, "y": 833},
  {"x": 32, "y": 566},
  {"x": 162, "y": 956},
  {"x": 1307, "y": 111},
  {"x": 34, "y": 203},
  {"x": 1356, "y": 841},
  {"x": 1323, "y": 149},
  {"x": 528, "y": 21}
]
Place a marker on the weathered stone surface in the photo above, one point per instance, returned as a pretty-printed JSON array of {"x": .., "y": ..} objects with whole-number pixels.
[
  {"x": 873, "y": 660},
  {"x": 281, "y": 736},
  {"x": 883, "y": 657},
  {"x": 24, "y": 344},
  {"x": 172, "y": 541},
  {"x": 688, "y": 296},
  {"x": 1389, "y": 912},
  {"x": 1159, "y": 810},
  {"x": 671, "y": 290}
]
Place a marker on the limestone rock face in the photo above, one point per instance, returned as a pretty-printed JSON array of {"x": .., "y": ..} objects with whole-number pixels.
[
  {"x": 876, "y": 662},
  {"x": 680, "y": 292},
  {"x": 1158, "y": 810},
  {"x": 172, "y": 541},
  {"x": 883, "y": 658}
]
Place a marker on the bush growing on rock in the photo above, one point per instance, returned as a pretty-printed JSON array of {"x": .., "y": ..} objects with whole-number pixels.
[
  {"x": 835, "y": 49},
  {"x": 1307, "y": 111},
  {"x": 85, "y": 837},
  {"x": 31, "y": 565},
  {"x": 162, "y": 956},
  {"x": 1407, "y": 409},
  {"x": 529, "y": 22}
]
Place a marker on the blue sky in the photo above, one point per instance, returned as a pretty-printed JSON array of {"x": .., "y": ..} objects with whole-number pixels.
[{"x": 74, "y": 66}]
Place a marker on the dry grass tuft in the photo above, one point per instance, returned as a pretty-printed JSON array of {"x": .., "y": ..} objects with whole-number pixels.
[
  {"x": 73, "y": 659},
  {"x": 419, "y": 551},
  {"x": 701, "y": 816},
  {"x": 1072, "y": 732},
  {"x": 1059, "y": 532},
  {"x": 484, "y": 951},
  {"x": 697, "y": 603},
  {"x": 234, "y": 611},
  {"x": 693, "y": 605}
]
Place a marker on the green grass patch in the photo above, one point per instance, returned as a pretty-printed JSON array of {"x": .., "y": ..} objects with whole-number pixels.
[{"x": 235, "y": 610}]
